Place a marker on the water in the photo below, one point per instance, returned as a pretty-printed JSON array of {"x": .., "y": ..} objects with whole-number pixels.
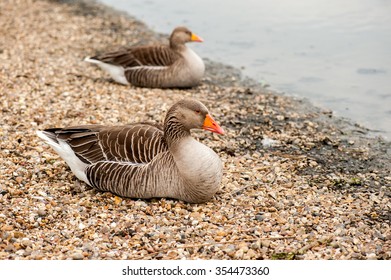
[{"x": 337, "y": 53}]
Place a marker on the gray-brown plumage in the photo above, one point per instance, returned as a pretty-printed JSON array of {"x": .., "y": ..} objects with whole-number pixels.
[
  {"x": 143, "y": 160},
  {"x": 156, "y": 66}
]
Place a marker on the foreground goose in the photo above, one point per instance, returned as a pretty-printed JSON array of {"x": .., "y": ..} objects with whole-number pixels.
[
  {"x": 142, "y": 160},
  {"x": 156, "y": 66}
]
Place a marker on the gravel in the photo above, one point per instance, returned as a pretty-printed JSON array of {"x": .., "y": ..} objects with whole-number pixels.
[{"x": 299, "y": 183}]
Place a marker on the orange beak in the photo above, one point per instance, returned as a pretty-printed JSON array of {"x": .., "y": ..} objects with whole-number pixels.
[
  {"x": 211, "y": 125},
  {"x": 195, "y": 38}
]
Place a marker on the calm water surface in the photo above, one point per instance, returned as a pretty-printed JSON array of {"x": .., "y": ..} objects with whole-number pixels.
[{"x": 337, "y": 53}]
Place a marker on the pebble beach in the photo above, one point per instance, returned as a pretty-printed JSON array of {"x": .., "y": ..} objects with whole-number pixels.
[{"x": 298, "y": 183}]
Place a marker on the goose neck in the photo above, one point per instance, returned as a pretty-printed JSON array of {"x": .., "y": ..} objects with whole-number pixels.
[
  {"x": 177, "y": 47},
  {"x": 174, "y": 131}
]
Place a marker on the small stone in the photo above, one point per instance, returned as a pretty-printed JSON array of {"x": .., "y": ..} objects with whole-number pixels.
[
  {"x": 20, "y": 252},
  {"x": 77, "y": 255},
  {"x": 19, "y": 180},
  {"x": 18, "y": 234},
  {"x": 117, "y": 200},
  {"x": 265, "y": 243},
  {"x": 10, "y": 248},
  {"x": 105, "y": 229},
  {"x": 371, "y": 256},
  {"x": 230, "y": 250},
  {"x": 250, "y": 254},
  {"x": 172, "y": 255},
  {"x": 7, "y": 227},
  {"x": 28, "y": 251},
  {"x": 266, "y": 229},
  {"x": 195, "y": 215},
  {"x": 259, "y": 218},
  {"x": 26, "y": 242},
  {"x": 243, "y": 246},
  {"x": 221, "y": 233},
  {"x": 81, "y": 226},
  {"x": 41, "y": 212},
  {"x": 239, "y": 254},
  {"x": 218, "y": 238}
]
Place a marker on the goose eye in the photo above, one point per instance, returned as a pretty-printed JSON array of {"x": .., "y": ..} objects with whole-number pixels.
[{"x": 198, "y": 112}]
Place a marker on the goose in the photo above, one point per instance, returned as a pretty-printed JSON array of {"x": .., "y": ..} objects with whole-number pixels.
[
  {"x": 156, "y": 66},
  {"x": 144, "y": 160}
]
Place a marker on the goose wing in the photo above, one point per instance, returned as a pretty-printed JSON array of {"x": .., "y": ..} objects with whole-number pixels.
[
  {"x": 134, "y": 143},
  {"x": 134, "y": 180},
  {"x": 158, "y": 55}
]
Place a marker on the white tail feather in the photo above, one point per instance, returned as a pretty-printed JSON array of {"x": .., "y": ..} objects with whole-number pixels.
[
  {"x": 66, "y": 153},
  {"x": 116, "y": 72},
  {"x": 90, "y": 60}
]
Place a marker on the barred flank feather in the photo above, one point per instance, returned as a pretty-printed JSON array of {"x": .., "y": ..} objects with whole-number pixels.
[{"x": 133, "y": 180}]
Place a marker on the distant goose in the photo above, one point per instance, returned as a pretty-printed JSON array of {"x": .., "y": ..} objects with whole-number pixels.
[
  {"x": 156, "y": 66},
  {"x": 142, "y": 160}
]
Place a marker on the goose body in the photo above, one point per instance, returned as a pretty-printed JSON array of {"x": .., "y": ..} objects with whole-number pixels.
[
  {"x": 156, "y": 66},
  {"x": 143, "y": 160}
]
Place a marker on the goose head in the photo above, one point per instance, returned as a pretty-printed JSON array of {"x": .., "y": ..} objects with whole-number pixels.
[
  {"x": 189, "y": 114},
  {"x": 182, "y": 35}
]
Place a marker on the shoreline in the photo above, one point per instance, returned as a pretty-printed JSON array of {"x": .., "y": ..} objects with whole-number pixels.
[{"x": 323, "y": 191}]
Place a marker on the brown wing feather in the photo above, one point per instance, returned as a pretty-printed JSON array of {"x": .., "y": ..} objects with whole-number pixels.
[
  {"x": 135, "y": 143},
  {"x": 140, "y": 56}
]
